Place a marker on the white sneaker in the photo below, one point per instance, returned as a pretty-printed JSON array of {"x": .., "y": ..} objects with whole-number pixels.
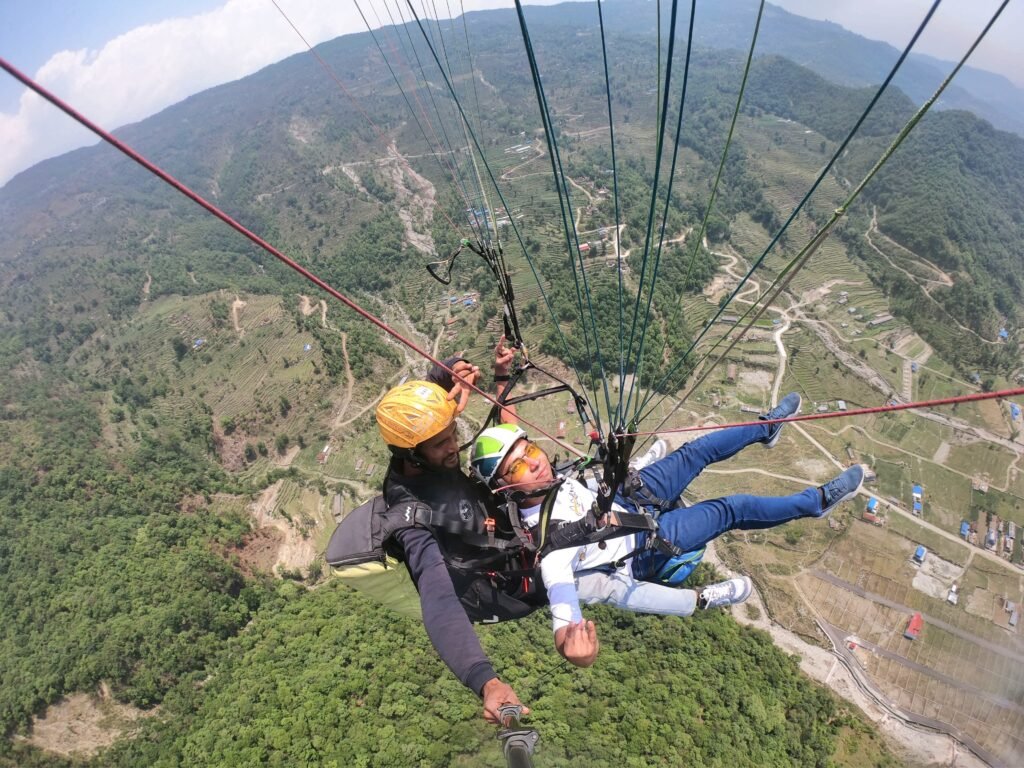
[
  {"x": 731, "y": 592},
  {"x": 655, "y": 453}
]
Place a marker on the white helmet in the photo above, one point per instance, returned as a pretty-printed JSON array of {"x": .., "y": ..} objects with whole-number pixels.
[{"x": 491, "y": 448}]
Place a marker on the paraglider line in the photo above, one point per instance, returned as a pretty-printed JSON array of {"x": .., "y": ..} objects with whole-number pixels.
[
  {"x": 70, "y": 111},
  {"x": 973, "y": 398}
]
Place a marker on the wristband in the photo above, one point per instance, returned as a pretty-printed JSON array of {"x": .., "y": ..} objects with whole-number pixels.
[{"x": 503, "y": 377}]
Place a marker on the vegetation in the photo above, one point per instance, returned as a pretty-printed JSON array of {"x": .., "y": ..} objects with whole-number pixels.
[{"x": 328, "y": 678}]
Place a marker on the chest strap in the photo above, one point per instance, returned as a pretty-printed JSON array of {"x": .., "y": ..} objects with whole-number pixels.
[{"x": 589, "y": 529}]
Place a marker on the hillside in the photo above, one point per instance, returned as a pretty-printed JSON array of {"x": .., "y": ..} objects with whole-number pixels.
[{"x": 179, "y": 409}]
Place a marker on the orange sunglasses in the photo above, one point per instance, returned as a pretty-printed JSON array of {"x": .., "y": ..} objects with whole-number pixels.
[{"x": 518, "y": 468}]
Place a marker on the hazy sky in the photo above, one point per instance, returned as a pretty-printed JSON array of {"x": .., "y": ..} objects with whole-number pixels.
[{"x": 118, "y": 61}]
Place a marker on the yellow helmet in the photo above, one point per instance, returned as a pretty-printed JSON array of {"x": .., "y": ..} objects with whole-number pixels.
[{"x": 414, "y": 412}]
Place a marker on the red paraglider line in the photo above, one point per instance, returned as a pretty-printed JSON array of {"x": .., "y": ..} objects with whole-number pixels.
[
  {"x": 202, "y": 202},
  {"x": 855, "y": 412},
  {"x": 211, "y": 208}
]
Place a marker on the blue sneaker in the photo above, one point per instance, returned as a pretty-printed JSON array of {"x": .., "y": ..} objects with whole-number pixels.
[
  {"x": 788, "y": 406},
  {"x": 842, "y": 488},
  {"x": 725, "y": 593}
]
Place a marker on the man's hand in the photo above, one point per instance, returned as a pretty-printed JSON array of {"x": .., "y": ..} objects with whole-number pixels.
[
  {"x": 578, "y": 643},
  {"x": 503, "y": 357},
  {"x": 465, "y": 375},
  {"x": 495, "y": 694}
]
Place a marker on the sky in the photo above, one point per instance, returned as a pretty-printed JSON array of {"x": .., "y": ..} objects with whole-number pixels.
[{"x": 119, "y": 61}]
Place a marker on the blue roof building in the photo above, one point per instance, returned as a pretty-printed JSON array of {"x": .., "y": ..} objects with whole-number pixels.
[
  {"x": 918, "y": 490},
  {"x": 965, "y": 529},
  {"x": 872, "y": 504},
  {"x": 1003, "y": 334},
  {"x": 917, "y": 507},
  {"x": 919, "y": 553},
  {"x": 1014, "y": 411},
  {"x": 913, "y": 367}
]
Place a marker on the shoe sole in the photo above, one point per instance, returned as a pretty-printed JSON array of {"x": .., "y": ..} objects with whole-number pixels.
[
  {"x": 847, "y": 496},
  {"x": 775, "y": 440}
]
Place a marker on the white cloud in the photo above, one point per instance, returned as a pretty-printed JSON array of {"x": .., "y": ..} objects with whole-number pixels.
[{"x": 153, "y": 66}]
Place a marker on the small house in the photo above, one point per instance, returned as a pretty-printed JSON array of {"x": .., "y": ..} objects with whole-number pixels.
[
  {"x": 1015, "y": 411},
  {"x": 914, "y": 627},
  {"x": 920, "y": 553},
  {"x": 841, "y": 405},
  {"x": 917, "y": 508},
  {"x": 918, "y": 492},
  {"x": 952, "y": 597},
  {"x": 1003, "y": 334},
  {"x": 872, "y": 504},
  {"x": 965, "y": 529},
  {"x": 879, "y": 320},
  {"x": 913, "y": 367}
]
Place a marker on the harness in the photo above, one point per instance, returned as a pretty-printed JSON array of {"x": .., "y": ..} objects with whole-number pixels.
[{"x": 493, "y": 568}]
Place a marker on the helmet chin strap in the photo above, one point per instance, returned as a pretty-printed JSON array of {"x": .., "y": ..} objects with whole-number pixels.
[
  {"x": 519, "y": 496},
  {"x": 409, "y": 455}
]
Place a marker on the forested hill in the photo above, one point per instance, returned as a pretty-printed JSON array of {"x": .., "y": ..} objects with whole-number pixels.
[
  {"x": 840, "y": 56},
  {"x": 951, "y": 192},
  {"x": 954, "y": 191}
]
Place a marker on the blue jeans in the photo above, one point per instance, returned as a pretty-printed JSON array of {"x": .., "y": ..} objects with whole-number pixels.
[{"x": 690, "y": 528}]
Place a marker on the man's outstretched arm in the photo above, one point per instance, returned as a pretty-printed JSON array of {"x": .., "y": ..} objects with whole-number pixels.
[{"x": 449, "y": 629}]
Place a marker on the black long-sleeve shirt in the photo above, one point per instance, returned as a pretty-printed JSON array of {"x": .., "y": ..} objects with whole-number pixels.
[{"x": 444, "y": 618}]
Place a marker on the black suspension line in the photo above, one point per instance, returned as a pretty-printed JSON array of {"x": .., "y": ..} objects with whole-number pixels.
[
  {"x": 725, "y": 152},
  {"x": 497, "y": 189},
  {"x": 439, "y": 150},
  {"x": 668, "y": 194},
  {"x": 618, "y": 216},
  {"x": 801, "y": 259},
  {"x": 564, "y": 199},
  {"x": 821, "y": 176},
  {"x": 483, "y": 232}
]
